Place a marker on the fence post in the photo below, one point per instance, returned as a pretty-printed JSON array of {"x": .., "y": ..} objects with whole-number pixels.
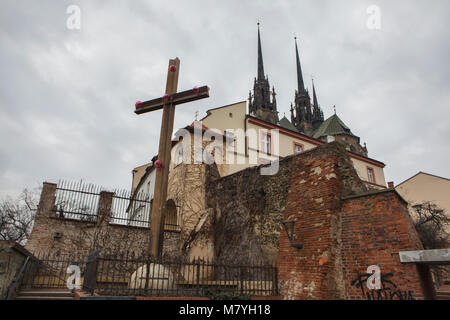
[
  {"x": 198, "y": 276},
  {"x": 104, "y": 207},
  {"x": 275, "y": 271},
  {"x": 90, "y": 276},
  {"x": 241, "y": 277}
]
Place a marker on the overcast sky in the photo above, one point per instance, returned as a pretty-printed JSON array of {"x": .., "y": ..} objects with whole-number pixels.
[{"x": 67, "y": 96}]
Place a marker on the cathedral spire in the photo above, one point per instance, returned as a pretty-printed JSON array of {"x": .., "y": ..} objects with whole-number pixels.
[
  {"x": 301, "y": 85},
  {"x": 261, "y": 75},
  {"x": 260, "y": 103},
  {"x": 315, "y": 102},
  {"x": 317, "y": 118}
]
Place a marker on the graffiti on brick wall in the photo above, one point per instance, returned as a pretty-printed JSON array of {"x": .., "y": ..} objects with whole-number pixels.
[{"x": 376, "y": 285}]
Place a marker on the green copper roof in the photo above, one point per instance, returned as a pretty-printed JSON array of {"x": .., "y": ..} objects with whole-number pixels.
[
  {"x": 332, "y": 126},
  {"x": 285, "y": 123}
]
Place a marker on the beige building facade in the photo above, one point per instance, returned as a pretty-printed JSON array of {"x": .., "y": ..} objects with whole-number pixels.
[
  {"x": 425, "y": 187},
  {"x": 287, "y": 142}
]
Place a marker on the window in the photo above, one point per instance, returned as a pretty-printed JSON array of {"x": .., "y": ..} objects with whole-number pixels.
[
  {"x": 266, "y": 143},
  {"x": 371, "y": 175},
  {"x": 179, "y": 158},
  {"x": 298, "y": 148},
  {"x": 229, "y": 138}
]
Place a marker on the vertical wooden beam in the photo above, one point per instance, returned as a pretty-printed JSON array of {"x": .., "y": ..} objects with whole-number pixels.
[{"x": 162, "y": 174}]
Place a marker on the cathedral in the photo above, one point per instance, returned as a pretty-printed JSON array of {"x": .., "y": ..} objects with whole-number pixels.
[{"x": 306, "y": 116}]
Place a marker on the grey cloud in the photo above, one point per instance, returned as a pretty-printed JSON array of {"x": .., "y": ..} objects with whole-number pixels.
[{"x": 67, "y": 97}]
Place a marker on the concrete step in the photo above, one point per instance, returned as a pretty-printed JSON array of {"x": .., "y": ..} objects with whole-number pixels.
[
  {"x": 442, "y": 295},
  {"x": 22, "y": 297},
  {"x": 45, "y": 294}
]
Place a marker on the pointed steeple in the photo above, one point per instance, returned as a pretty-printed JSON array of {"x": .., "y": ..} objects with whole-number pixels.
[
  {"x": 261, "y": 75},
  {"x": 317, "y": 117},
  {"x": 315, "y": 102},
  {"x": 260, "y": 104},
  {"x": 301, "y": 85}
]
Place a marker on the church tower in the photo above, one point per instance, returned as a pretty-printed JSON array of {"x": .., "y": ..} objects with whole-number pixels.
[
  {"x": 304, "y": 117},
  {"x": 260, "y": 103}
]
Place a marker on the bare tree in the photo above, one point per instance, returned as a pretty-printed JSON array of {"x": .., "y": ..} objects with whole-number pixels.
[
  {"x": 432, "y": 223},
  {"x": 17, "y": 216}
]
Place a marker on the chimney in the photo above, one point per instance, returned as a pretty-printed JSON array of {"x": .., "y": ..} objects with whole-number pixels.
[{"x": 391, "y": 185}]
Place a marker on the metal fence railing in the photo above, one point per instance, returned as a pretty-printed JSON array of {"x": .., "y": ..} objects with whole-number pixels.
[
  {"x": 48, "y": 271},
  {"x": 129, "y": 275},
  {"x": 77, "y": 200},
  {"x": 132, "y": 210},
  {"x": 80, "y": 201}
]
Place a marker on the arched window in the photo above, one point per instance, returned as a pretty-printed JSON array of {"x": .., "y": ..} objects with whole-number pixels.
[{"x": 171, "y": 219}]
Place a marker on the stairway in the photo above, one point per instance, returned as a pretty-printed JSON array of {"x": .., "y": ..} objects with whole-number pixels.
[
  {"x": 443, "y": 293},
  {"x": 45, "y": 294}
]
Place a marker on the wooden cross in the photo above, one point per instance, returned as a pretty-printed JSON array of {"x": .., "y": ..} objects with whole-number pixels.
[{"x": 167, "y": 103}]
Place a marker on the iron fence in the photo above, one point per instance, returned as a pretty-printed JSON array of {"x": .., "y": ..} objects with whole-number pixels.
[
  {"x": 46, "y": 271},
  {"x": 131, "y": 275},
  {"x": 80, "y": 201},
  {"x": 132, "y": 210},
  {"x": 77, "y": 200}
]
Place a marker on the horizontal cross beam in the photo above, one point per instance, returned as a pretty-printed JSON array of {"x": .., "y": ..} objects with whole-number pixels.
[{"x": 174, "y": 99}]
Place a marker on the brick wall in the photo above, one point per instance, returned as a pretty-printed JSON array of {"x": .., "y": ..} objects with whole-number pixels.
[
  {"x": 313, "y": 202},
  {"x": 375, "y": 227},
  {"x": 344, "y": 230}
]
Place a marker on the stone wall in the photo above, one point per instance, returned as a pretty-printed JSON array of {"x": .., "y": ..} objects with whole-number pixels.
[
  {"x": 312, "y": 190},
  {"x": 52, "y": 234},
  {"x": 343, "y": 226},
  {"x": 12, "y": 258},
  {"x": 249, "y": 207}
]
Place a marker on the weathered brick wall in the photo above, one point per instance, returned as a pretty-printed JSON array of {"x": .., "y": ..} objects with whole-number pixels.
[
  {"x": 248, "y": 210},
  {"x": 321, "y": 178},
  {"x": 311, "y": 189},
  {"x": 375, "y": 228},
  {"x": 83, "y": 236},
  {"x": 250, "y": 207}
]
